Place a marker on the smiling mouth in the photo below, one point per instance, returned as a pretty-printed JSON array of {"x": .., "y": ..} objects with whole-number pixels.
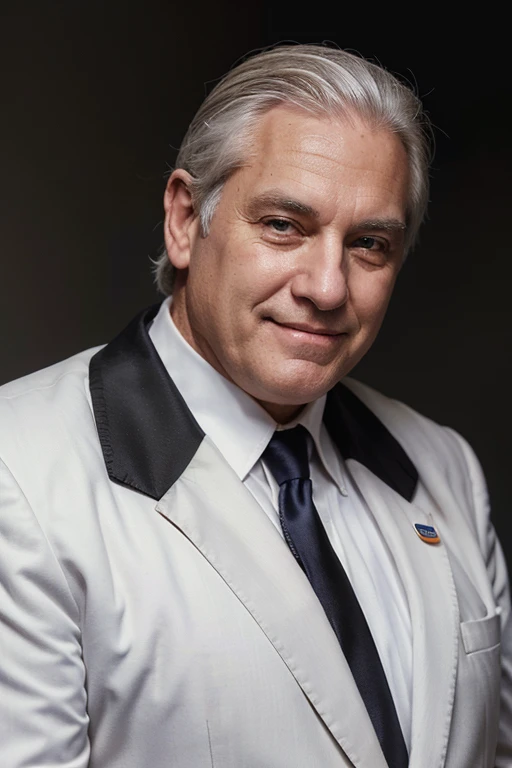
[{"x": 306, "y": 328}]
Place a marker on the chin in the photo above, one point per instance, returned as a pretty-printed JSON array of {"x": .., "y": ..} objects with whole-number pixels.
[{"x": 293, "y": 391}]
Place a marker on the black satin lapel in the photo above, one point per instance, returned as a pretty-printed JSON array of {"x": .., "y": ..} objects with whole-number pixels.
[
  {"x": 147, "y": 433},
  {"x": 359, "y": 434}
]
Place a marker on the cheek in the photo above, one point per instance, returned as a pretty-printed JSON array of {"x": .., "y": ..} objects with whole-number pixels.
[
  {"x": 221, "y": 292},
  {"x": 211, "y": 279},
  {"x": 370, "y": 295},
  {"x": 255, "y": 277}
]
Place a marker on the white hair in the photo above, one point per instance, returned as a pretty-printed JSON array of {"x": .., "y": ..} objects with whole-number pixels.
[{"x": 316, "y": 79}]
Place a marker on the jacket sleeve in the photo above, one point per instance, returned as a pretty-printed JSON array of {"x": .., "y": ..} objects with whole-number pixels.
[
  {"x": 498, "y": 575},
  {"x": 43, "y": 716},
  {"x": 498, "y": 572},
  {"x": 498, "y": 565}
]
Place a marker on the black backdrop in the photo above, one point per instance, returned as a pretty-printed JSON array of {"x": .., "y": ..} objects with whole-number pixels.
[{"x": 96, "y": 96}]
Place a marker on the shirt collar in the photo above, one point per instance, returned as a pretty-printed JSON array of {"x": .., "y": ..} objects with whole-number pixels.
[{"x": 240, "y": 428}]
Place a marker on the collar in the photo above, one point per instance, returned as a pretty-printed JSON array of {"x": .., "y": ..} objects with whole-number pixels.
[{"x": 148, "y": 434}]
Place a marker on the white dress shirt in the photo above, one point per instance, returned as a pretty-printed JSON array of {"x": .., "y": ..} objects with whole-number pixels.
[{"x": 241, "y": 429}]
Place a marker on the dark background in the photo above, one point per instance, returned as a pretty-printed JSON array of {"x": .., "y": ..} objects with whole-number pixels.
[{"x": 96, "y": 96}]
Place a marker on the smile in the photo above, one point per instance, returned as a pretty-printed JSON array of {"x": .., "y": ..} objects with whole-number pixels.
[
  {"x": 305, "y": 333},
  {"x": 303, "y": 327}
]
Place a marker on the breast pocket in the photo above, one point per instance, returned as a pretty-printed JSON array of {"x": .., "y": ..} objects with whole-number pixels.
[
  {"x": 479, "y": 679},
  {"x": 481, "y": 634}
]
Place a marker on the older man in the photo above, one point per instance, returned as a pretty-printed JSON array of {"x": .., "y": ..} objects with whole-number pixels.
[{"x": 217, "y": 550}]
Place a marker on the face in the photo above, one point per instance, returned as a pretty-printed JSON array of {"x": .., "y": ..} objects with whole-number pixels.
[{"x": 289, "y": 289}]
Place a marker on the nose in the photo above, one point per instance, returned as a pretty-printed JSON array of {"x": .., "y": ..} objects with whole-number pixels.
[{"x": 322, "y": 277}]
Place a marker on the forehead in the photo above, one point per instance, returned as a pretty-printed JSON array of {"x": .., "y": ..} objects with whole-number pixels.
[{"x": 324, "y": 160}]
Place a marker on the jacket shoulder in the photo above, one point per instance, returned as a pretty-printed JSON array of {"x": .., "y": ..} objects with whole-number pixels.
[
  {"x": 48, "y": 378},
  {"x": 42, "y": 412}
]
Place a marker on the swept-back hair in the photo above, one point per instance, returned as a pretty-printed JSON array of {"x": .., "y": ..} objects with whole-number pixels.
[{"x": 320, "y": 80}]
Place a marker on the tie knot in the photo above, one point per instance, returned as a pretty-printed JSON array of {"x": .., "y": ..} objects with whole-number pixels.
[{"x": 287, "y": 454}]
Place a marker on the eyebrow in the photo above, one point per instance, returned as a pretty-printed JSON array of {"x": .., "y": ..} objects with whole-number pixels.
[
  {"x": 386, "y": 225},
  {"x": 283, "y": 203},
  {"x": 275, "y": 200}
]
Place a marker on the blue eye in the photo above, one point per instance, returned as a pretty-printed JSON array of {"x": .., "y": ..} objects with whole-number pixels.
[
  {"x": 368, "y": 243},
  {"x": 279, "y": 225}
]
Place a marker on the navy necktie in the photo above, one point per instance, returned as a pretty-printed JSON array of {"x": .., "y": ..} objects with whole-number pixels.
[{"x": 287, "y": 458}]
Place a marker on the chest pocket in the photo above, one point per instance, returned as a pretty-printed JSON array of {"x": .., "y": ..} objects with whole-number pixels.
[
  {"x": 481, "y": 634},
  {"x": 479, "y": 677}
]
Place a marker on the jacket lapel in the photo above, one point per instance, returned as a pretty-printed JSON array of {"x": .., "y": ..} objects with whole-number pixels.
[
  {"x": 147, "y": 434},
  {"x": 232, "y": 532},
  {"x": 427, "y": 577}
]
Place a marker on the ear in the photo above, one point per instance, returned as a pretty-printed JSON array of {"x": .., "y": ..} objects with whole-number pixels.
[{"x": 181, "y": 221}]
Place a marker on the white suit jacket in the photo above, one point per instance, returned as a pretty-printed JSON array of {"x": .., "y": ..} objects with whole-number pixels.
[{"x": 151, "y": 616}]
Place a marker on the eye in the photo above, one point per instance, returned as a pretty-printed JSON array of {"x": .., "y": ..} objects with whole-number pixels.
[
  {"x": 279, "y": 231},
  {"x": 282, "y": 226},
  {"x": 369, "y": 243},
  {"x": 371, "y": 251}
]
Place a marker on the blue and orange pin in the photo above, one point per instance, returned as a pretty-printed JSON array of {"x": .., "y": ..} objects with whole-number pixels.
[{"x": 427, "y": 533}]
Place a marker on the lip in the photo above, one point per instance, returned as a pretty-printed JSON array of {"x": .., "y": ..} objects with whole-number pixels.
[
  {"x": 306, "y": 340},
  {"x": 306, "y": 328}
]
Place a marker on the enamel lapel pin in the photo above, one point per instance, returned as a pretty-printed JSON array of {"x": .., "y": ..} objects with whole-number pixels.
[{"x": 427, "y": 533}]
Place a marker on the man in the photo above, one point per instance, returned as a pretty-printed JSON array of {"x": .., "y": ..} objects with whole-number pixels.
[{"x": 216, "y": 549}]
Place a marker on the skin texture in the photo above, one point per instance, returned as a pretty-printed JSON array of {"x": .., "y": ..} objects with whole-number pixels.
[{"x": 290, "y": 287}]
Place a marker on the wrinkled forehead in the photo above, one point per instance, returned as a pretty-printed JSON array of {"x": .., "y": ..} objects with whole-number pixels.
[
  {"x": 324, "y": 157},
  {"x": 290, "y": 129}
]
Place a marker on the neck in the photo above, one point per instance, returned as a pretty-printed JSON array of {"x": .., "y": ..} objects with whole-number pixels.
[{"x": 283, "y": 414}]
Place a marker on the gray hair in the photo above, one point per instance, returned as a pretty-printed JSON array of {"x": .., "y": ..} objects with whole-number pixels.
[{"x": 316, "y": 79}]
